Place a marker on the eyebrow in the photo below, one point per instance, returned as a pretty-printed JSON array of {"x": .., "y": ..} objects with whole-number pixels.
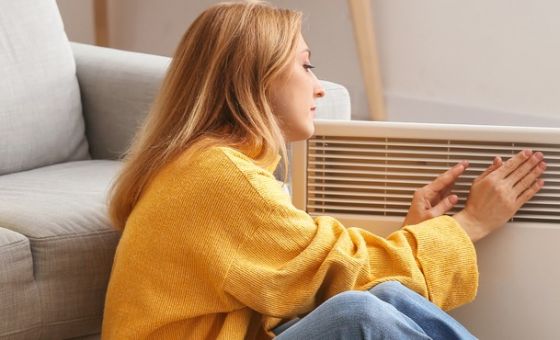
[{"x": 307, "y": 50}]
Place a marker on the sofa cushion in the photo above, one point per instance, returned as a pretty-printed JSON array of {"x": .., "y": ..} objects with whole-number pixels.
[
  {"x": 41, "y": 119},
  {"x": 19, "y": 296},
  {"x": 61, "y": 210}
]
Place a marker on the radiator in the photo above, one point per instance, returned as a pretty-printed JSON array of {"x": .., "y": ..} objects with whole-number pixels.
[{"x": 364, "y": 174}]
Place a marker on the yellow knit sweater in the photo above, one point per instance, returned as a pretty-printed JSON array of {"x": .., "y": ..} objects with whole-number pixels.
[{"x": 214, "y": 249}]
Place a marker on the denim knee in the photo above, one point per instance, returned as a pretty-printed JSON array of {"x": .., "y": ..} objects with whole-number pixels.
[
  {"x": 362, "y": 310},
  {"x": 356, "y": 306},
  {"x": 391, "y": 291},
  {"x": 355, "y": 315},
  {"x": 426, "y": 314}
]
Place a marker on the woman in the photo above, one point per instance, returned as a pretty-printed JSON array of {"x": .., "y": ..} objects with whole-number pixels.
[{"x": 212, "y": 246}]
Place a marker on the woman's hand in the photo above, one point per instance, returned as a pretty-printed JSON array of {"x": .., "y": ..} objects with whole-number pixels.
[
  {"x": 433, "y": 200},
  {"x": 497, "y": 194}
]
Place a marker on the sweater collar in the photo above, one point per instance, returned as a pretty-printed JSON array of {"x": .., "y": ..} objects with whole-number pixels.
[
  {"x": 251, "y": 153},
  {"x": 272, "y": 167}
]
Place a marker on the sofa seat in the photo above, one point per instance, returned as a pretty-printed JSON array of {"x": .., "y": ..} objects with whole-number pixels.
[
  {"x": 17, "y": 288},
  {"x": 57, "y": 249}
]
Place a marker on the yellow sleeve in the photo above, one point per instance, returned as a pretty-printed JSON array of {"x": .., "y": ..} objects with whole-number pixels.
[{"x": 291, "y": 262}]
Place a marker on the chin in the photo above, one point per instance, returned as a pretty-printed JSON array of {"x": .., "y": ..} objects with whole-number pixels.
[
  {"x": 304, "y": 133},
  {"x": 309, "y": 130}
]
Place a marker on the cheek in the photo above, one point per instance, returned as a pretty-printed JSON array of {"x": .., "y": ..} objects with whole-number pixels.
[
  {"x": 291, "y": 103},
  {"x": 302, "y": 94},
  {"x": 278, "y": 100},
  {"x": 287, "y": 102}
]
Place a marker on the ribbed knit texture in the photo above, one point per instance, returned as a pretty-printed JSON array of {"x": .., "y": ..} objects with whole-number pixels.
[{"x": 214, "y": 249}]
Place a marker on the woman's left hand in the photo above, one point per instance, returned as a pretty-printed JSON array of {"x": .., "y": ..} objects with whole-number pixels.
[{"x": 433, "y": 200}]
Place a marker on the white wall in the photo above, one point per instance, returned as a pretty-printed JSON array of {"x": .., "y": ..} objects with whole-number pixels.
[
  {"x": 500, "y": 56},
  {"x": 442, "y": 60},
  {"x": 78, "y": 19}
]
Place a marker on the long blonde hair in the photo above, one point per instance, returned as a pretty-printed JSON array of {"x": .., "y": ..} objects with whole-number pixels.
[{"x": 216, "y": 92}]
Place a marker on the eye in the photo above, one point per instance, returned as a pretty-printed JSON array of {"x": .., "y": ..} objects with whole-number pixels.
[{"x": 308, "y": 66}]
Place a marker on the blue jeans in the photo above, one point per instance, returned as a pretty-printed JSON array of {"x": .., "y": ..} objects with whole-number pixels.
[{"x": 387, "y": 311}]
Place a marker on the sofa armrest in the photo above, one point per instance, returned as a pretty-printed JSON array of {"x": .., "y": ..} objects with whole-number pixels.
[
  {"x": 117, "y": 89},
  {"x": 335, "y": 104}
]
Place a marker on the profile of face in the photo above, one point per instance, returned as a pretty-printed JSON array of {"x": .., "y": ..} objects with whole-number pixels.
[{"x": 293, "y": 95}]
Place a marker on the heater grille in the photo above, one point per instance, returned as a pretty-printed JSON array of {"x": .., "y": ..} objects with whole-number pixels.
[{"x": 378, "y": 175}]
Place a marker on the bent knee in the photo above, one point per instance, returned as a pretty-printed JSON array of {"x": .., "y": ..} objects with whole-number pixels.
[
  {"x": 397, "y": 294},
  {"x": 359, "y": 307},
  {"x": 356, "y": 298},
  {"x": 390, "y": 289}
]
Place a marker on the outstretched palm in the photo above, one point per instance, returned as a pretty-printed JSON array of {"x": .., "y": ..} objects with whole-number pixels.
[{"x": 434, "y": 199}]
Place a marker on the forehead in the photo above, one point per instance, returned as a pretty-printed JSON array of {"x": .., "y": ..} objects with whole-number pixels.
[
  {"x": 302, "y": 46},
  {"x": 301, "y": 42}
]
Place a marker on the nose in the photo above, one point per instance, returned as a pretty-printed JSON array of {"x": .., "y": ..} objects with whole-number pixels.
[{"x": 318, "y": 91}]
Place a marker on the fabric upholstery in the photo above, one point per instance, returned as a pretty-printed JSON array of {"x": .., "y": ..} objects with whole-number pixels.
[
  {"x": 118, "y": 88},
  {"x": 63, "y": 246},
  {"x": 18, "y": 289},
  {"x": 335, "y": 104},
  {"x": 41, "y": 119}
]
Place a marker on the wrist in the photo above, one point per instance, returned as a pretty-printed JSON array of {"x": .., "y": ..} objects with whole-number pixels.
[{"x": 470, "y": 225}]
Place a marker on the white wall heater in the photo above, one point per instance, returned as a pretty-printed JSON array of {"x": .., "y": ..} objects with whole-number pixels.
[{"x": 364, "y": 174}]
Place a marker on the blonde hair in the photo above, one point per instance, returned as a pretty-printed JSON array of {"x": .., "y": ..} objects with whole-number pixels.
[{"x": 215, "y": 92}]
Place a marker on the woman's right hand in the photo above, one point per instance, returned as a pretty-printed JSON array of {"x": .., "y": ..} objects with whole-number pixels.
[{"x": 499, "y": 192}]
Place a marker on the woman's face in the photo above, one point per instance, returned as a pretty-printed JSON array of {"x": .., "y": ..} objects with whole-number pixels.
[{"x": 293, "y": 96}]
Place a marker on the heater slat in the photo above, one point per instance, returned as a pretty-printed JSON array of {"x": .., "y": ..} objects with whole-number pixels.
[
  {"x": 417, "y": 151},
  {"x": 515, "y": 147},
  {"x": 439, "y": 169}
]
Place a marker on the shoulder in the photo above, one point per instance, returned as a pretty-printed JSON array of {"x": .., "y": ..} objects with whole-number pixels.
[
  {"x": 228, "y": 169},
  {"x": 217, "y": 159}
]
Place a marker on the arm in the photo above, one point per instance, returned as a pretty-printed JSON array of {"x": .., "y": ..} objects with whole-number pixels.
[{"x": 291, "y": 262}]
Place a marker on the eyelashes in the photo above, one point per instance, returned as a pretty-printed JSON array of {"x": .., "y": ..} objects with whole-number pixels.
[{"x": 308, "y": 66}]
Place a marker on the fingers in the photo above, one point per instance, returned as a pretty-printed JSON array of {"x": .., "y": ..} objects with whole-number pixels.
[
  {"x": 449, "y": 177},
  {"x": 529, "y": 193},
  {"x": 529, "y": 178},
  {"x": 495, "y": 164},
  {"x": 445, "y": 205},
  {"x": 446, "y": 191},
  {"x": 513, "y": 163},
  {"x": 525, "y": 168}
]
